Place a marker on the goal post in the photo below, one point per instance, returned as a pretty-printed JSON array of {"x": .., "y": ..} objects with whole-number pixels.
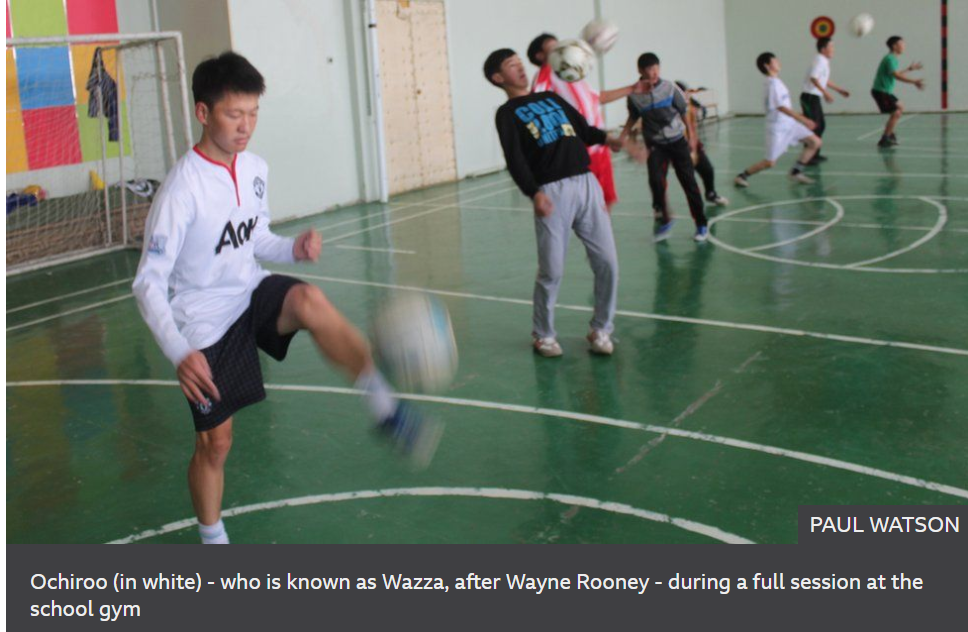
[{"x": 94, "y": 123}]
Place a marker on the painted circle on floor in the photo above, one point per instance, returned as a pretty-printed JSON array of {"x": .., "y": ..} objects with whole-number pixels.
[{"x": 821, "y": 227}]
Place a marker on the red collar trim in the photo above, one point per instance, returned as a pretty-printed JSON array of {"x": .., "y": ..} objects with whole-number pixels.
[{"x": 231, "y": 170}]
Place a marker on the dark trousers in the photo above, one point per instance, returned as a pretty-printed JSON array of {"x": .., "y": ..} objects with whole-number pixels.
[
  {"x": 705, "y": 170},
  {"x": 813, "y": 109},
  {"x": 677, "y": 153}
]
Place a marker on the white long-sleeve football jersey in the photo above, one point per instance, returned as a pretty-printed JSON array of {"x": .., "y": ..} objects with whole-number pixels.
[{"x": 206, "y": 229}]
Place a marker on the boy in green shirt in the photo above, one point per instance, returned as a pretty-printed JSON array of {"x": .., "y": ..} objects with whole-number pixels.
[{"x": 883, "y": 90}]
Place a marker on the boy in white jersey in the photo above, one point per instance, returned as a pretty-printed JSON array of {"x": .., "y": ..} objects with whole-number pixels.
[
  {"x": 206, "y": 228},
  {"x": 817, "y": 85},
  {"x": 784, "y": 127}
]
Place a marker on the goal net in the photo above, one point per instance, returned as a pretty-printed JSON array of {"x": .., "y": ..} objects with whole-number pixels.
[{"x": 94, "y": 123}]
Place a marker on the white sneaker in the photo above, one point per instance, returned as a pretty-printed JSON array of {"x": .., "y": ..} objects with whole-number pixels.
[
  {"x": 719, "y": 200},
  {"x": 802, "y": 179},
  {"x": 741, "y": 181},
  {"x": 547, "y": 347},
  {"x": 601, "y": 342}
]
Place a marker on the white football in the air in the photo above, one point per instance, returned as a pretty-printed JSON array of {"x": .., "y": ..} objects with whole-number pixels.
[
  {"x": 572, "y": 60},
  {"x": 601, "y": 35},
  {"x": 862, "y": 24}
]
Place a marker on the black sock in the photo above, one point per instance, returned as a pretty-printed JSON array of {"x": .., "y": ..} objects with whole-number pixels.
[
  {"x": 797, "y": 168},
  {"x": 745, "y": 174}
]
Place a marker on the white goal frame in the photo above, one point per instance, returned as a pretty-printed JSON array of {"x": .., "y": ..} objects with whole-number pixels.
[{"x": 120, "y": 42}]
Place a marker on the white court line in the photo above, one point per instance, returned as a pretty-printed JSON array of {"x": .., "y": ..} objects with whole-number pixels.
[
  {"x": 582, "y": 308},
  {"x": 829, "y": 266},
  {"x": 391, "y": 208},
  {"x": 902, "y": 154},
  {"x": 394, "y": 251},
  {"x": 904, "y": 119},
  {"x": 942, "y": 220},
  {"x": 531, "y": 211},
  {"x": 807, "y": 235},
  {"x": 874, "y": 174},
  {"x": 437, "y": 209},
  {"x": 500, "y": 493},
  {"x": 935, "y": 148},
  {"x": 871, "y": 196},
  {"x": 806, "y": 457},
  {"x": 806, "y": 222},
  {"x": 644, "y": 215},
  {"x": 860, "y": 174},
  {"x": 69, "y": 312},
  {"x": 326, "y": 227},
  {"x": 663, "y": 317},
  {"x": 72, "y": 294}
]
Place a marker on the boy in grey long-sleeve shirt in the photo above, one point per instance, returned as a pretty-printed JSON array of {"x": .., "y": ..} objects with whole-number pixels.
[{"x": 662, "y": 108}]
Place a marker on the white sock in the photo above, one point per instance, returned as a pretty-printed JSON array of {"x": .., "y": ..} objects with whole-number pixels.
[
  {"x": 377, "y": 393},
  {"x": 213, "y": 533}
]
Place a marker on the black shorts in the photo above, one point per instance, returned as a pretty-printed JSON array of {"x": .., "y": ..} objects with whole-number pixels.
[
  {"x": 234, "y": 359},
  {"x": 886, "y": 103}
]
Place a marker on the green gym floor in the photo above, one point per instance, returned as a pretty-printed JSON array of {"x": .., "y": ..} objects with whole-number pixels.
[{"x": 815, "y": 352}]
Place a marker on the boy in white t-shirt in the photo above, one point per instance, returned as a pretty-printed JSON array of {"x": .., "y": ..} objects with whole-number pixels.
[
  {"x": 817, "y": 85},
  {"x": 784, "y": 127}
]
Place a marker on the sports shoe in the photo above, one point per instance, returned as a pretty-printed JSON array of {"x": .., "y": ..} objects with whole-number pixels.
[
  {"x": 884, "y": 142},
  {"x": 816, "y": 160},
  {"x": 702, "y": 235},
  {"x": 893, "y": 139},
  {"x": 797, "y": 176},
  {"x": 412, "y": 433},
  {"x": 601, "y": 342},
  {"x": 716, "y": 199},
  {"x": 547, "y": 347},
  {"x": 741, "y": 181},
  {"x": 661, "y": 231}
]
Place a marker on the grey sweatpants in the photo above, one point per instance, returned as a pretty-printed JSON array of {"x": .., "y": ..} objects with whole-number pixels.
[{"x": 580, "y": 206}]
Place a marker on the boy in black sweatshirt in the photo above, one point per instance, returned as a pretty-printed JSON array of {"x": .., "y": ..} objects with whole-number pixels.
[{"x": 544, "y": 141}]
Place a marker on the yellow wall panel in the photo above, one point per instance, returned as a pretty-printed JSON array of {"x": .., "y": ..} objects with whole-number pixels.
[
  {"x": 16, "y": 144},
  {"x": 13, "y": 90},
  {"x": 81, "y": 57}
]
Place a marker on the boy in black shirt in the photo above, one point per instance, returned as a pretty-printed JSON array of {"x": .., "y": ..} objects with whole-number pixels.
[{"x": 544, "y": 141}]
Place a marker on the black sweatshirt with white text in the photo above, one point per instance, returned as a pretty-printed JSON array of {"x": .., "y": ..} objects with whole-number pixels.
[{"x": 544, "y": 140}]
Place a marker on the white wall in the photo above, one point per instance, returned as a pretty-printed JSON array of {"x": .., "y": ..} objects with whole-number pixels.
[
  {"x": 783, "y": 28},
  {"x": 315, "y": 128},
  {"x": 134, "y": 16},
  {"x": 205, "y": 32},
  {"x": 308, "y": 120},
  {"x": 316, "y": 125},
  {"x": 688, "y": 35},
  {"x": 474, "y": 30}
]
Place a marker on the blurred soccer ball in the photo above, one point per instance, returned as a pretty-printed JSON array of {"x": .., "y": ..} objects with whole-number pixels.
[
  {"x": 601, "y": 35},
  {"x": 572, "y": 60},
  {"x": 414, "y": 343},
  {"x": 862, "y": 24}
]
